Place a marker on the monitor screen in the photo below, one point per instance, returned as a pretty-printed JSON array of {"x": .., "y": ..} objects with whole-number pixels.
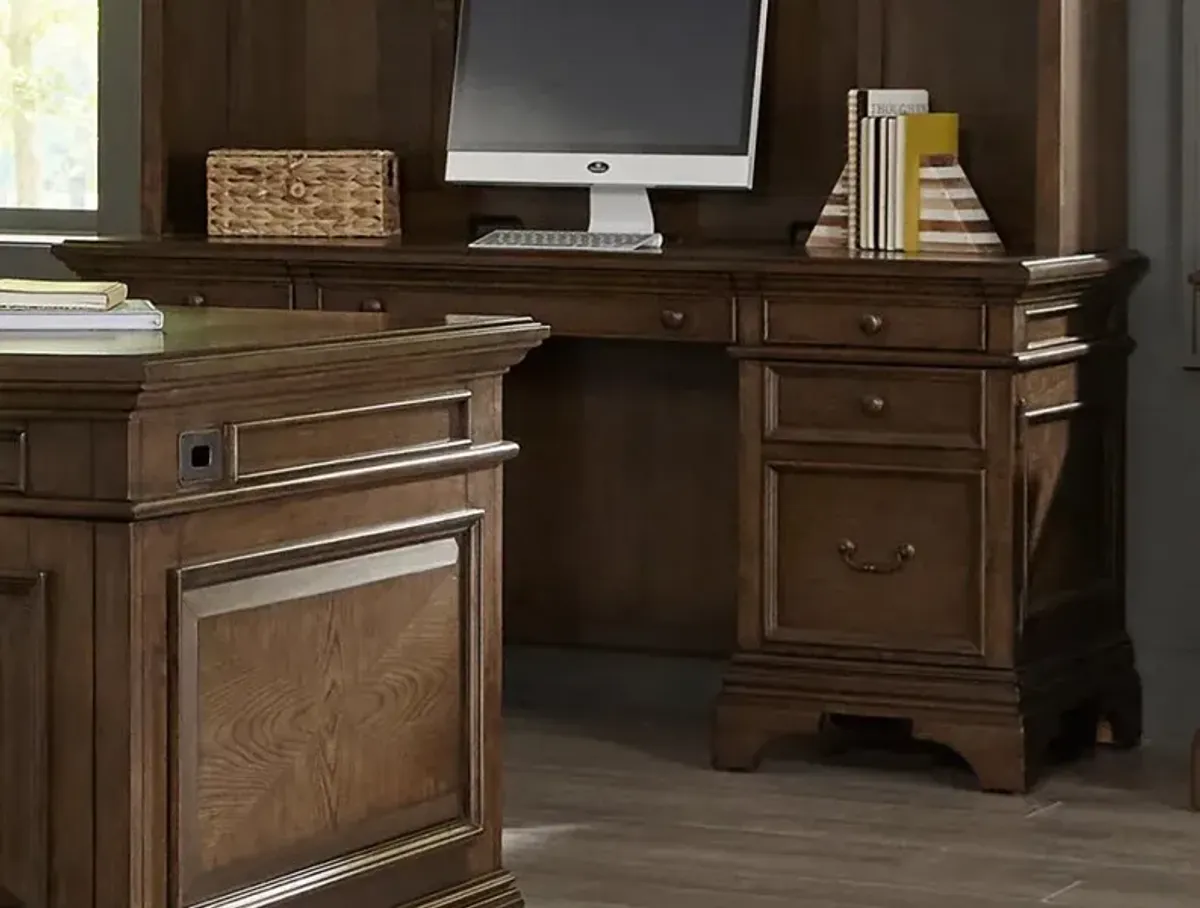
[{"x": 657, "y": 77}]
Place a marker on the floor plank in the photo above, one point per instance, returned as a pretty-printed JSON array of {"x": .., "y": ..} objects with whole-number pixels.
[{"x": 627, "y": 814}]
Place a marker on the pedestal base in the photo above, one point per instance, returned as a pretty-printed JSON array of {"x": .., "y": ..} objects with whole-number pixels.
[{"x": 1000, "y": 723}]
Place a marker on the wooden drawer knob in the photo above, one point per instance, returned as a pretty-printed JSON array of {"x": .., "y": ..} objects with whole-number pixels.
[
  {"x": 673, "y": 319},
  {"x": 873, "y": 405},
  {"x": 870, "y": 324},
  {"x": 195, "y": 299},
  {"x": 372, "y": 306}
]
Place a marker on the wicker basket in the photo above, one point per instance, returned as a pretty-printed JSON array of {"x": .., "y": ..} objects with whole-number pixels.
[{"x": 303, "y": 193}]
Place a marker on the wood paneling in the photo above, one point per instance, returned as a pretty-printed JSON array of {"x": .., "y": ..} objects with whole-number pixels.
[{"x": 1039, "y": 85}]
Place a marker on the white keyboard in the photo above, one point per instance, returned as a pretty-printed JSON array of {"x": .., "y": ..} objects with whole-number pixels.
[{"x": 569, "y": 241}]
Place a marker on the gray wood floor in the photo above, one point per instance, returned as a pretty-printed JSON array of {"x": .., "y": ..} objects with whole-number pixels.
[{"x": 602, "y": 814}]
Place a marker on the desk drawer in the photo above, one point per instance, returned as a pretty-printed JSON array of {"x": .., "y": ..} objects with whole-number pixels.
[
  {"x": 837, "y": 322},
  {"x": 877, "y": 556},
  {"x": 926, "y": 408},
  {"x": 230, "y": 294},
  {"x": 648, "y": 316}
]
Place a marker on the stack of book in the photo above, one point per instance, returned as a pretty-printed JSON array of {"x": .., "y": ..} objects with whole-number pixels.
[
  {"x": 903, "y": 188},
  {"x": 52, "y": 306}
]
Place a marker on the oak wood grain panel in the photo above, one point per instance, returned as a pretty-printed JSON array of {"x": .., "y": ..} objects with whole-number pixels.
[
  {"x": 932, "y": 408},
  {"x": 834, "y": 568},
  {"x": 14, "y": 476},
  {"x": 820, "y": 320},
  {"x": 286, "y": 445},
  {"x": 25, "y": 809},
  {"x": 328, "y": 703}
]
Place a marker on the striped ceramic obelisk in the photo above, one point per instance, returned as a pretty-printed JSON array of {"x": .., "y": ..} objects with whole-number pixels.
[
  {"x": 952, "y": 217},
  {"x": 832, "y": 229}
]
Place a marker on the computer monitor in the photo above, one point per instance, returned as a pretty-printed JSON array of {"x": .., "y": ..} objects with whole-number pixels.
[{"x": 615, "y": 95}]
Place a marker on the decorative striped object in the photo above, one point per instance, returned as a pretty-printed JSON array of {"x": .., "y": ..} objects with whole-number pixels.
[
  {"x": 952, "y": 217},
  {"x": 833, "y": 226}
]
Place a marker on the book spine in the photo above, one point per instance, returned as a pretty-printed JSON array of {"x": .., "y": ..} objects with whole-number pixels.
[{"x": 852, "y": 168}]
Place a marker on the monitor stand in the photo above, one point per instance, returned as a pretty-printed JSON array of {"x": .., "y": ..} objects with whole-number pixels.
[{"x": 622, "y": 209}]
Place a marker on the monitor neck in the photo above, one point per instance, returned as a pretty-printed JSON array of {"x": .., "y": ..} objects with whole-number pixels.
[{"x": 620, "y": 209}]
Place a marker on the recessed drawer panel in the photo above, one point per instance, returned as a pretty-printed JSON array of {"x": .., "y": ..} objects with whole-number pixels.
[
  {"x": 650, "y": 316},
  {"x": 306, "y": 442},
  {"x": 928, "y": 408},
  {"x": 825, "y": 322},
  {"x": 228, "y": 294},
  {"x": 887, "y": 557}
]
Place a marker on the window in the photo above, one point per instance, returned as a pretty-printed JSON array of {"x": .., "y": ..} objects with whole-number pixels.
[{"x": 49, "y": 114}]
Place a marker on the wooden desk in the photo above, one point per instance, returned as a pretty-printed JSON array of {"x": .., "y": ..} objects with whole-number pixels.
[
  {"x": 900, "y": 496},
  {"x": 249, "y": 639}
]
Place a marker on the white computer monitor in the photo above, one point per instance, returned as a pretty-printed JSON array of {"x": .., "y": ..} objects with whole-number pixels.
[{"x": 618, "y": 96}]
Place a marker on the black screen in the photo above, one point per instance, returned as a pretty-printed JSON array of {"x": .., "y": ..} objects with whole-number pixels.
[{"x": 605, "y": 76}]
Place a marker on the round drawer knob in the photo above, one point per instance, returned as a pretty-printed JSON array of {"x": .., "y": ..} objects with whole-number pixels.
[
  {"x": 873, "y": 405},
  {"x": 195, "y": 299},
  {"x": 372, "y": 306},
  {"x": 673, "y": 319},
  {"x": 871, "y": 324}
]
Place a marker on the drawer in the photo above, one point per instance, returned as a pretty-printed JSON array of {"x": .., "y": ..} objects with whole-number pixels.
[
  {"x": 624, "y": 315},
  {"x": 838, "y": 322},
  {"x": 875, "y": 405},
  {"x": 876, "y": 556},
  {"x": 232, "y": 294}
]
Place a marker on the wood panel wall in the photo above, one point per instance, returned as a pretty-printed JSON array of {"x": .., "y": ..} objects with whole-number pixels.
[{"x": 1039, "y": 85}]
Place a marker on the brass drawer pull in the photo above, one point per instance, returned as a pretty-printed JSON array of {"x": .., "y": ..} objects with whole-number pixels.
[
  {"x": 372, "y": 306},
  {"x": 195, "y": 299},
  {"x": 903, "y": 554},
  {"x": 673, "y": 319},
  {"x": 870, "y": 325},
  {"x": 873, "y": 405}
]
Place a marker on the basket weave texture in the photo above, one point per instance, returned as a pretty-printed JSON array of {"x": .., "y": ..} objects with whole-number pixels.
[{"x": 303, "y": 193}]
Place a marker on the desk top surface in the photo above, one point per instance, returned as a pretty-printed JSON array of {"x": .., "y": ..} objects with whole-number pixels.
[
  {"x": 755, "y": 259},
  {"x": 251, "y": 345}
]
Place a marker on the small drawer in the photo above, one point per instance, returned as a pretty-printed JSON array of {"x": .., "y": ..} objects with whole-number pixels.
[
  {"x": 837, "y": 322},
  {"x": 876, "y": 556},
  {"x": 649, "y": 316},
  {"x": 872, "y": 405},
  {"x": 228, "y": 294}
]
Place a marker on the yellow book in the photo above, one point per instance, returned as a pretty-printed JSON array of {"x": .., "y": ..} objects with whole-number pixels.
[
  {"x": 919, "y": 136},
  {"x": 23, "y": 294}
]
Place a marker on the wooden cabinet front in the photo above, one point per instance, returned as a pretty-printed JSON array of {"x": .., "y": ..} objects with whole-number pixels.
[
  {"x": 328, "y": 680},
  {"x": 880, "y": 556}
]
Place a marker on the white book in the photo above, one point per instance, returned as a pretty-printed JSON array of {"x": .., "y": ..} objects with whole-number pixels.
[
  {"x": 901, "y": 180},
  {"x": 889, "y": 185},
  {"x": 131, "y": 315},
  {"x": 866, "y": 185},
  {"x": 91, "y": 295}
]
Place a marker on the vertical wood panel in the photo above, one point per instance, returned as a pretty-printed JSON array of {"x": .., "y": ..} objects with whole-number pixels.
[
  {"x": 342, "y": 110},
  {"x": 25, "y": 745},
  {"x": 195, "y": 102},
  {"x": 267, "y": 84}
]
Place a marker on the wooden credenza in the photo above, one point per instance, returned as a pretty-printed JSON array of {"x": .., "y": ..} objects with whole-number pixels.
[
  {"x": 249, "y": 613},
  {"x": 900, "y": 496}
]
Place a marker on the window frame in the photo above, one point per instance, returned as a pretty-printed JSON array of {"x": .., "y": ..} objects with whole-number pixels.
[{"x": 118, "y": 170}]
